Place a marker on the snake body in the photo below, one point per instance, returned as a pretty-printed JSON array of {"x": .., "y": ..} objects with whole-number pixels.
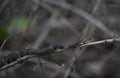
[{"x": 18, "y": 56}]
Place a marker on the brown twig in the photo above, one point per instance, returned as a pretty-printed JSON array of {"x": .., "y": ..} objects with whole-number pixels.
[{"x": 19, "y": 56}]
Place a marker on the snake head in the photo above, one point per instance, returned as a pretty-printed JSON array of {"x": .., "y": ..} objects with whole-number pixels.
[{"x": 57, "y": 47}]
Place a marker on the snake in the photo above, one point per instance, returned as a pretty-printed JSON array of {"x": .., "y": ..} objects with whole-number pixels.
[{"x": 16, "y": 57}]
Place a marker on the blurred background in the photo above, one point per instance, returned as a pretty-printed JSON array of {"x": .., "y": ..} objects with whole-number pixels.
[{"x": 39, "y": 23}]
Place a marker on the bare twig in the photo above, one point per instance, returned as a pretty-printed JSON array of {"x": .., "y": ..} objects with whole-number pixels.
[
  {"x": 70, "y": 26},
  {"x": 88, "y": 26},
  {"x": 88, "y": 29},
  {"x": 14, "y": 58},
  {"x": 4, "y": 5},
  {"x": 84, "y": 14},
  {"x": 63, "y": 21},
  {"x": 101, "y": 42},
  {"x": 4, "y": 43},
  {"x": 41, "y": 37},
  {"x": 79, "y": 53}
]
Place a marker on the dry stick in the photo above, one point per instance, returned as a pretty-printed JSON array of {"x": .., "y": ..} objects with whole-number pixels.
[
  {"x": 70, "y": 26},
  {"x": 79, "y": 53},
  {"x": 88, "y": 26},
  {"x": 32, "y": 17},
  {"x": 100, "y": 42},
  {"x": 4, "y": 43},
  {"x": 50, "y": 65},
  {"x": 44, "y": 33},
  {"x": 41, "y": 37},
  {"x": 5, "y": 3},
  {"x": 84, "y": 14},
  {"x": 39, "y": 41},
  {"x": 62, "y": 21},
  {"x": 6, "y": 72},
  {"x": 67, "y": 22},
  {"x": 84, "y": 34},
  {"x": 28, "y": 53},
  {"x": 16, "y": 56}
]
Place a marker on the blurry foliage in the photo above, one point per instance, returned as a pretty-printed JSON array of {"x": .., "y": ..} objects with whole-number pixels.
[
  {"x": 18, "y": 24},
  {"x": 3, "y": 33},
  {"x": 64, "y": 11}
]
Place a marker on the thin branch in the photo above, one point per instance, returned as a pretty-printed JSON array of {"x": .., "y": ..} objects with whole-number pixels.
[
  {"x": 79, "y": 53},
  {"x": 18, "y": 56},
  {"x": 101, "y": 42},
  {"x": 84, "y": 14},
  {"x": 41, "y": 37},
  {"x": 88, "y": 29},
  {"x": 63, "y": 21},
  {"x": 88, "y": 26},
  {"x": 4, "y": 43},
  {"x": 5, "y": 3}
]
